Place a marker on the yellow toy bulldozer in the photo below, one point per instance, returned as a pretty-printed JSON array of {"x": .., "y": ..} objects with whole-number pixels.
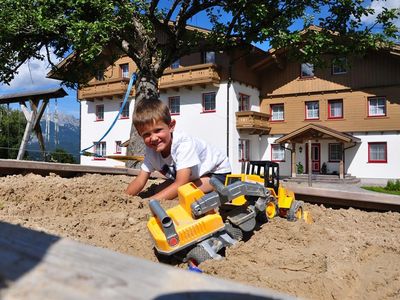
[
  {"x": 282, "y": 201},
  {"x": 203, "y": 224}
]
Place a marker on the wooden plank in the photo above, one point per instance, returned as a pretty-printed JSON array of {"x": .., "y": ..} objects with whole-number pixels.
[
  {"x": 11, "y": 166},
  {"x": 35, "y": 265},
  {"x": 365, "y": 200}
]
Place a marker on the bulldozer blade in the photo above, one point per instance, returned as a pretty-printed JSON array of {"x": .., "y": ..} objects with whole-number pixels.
[{"x": 307, "y": 217}]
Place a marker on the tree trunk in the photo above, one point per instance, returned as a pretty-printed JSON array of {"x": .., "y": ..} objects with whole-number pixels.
[{"x": 146, "y": 88}]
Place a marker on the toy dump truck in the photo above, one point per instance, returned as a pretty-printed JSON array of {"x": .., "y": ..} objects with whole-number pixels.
[
  {"x": 282, "y": 201},
  {"x": 203, "y": 224}
]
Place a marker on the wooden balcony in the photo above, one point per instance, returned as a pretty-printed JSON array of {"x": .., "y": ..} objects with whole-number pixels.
[
  {"x": 252, "y": 122},
  {"x": 187, "y": 77},
  {"x": 105, "y": 89}
]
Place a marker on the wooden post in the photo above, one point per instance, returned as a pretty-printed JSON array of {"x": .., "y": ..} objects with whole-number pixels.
[
  {"x": 294, "y": 169},
  {"x": 341, "y": 169},
  {"x": 309, "y": 164}
]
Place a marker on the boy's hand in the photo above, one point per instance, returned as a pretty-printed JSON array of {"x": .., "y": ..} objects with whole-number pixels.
[
  {"x": 171, "y": 192},
  {"x": 138, "y": 183}
]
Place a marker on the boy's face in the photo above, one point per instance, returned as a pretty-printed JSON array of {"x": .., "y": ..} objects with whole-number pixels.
[{"x": 158, "y": 136}]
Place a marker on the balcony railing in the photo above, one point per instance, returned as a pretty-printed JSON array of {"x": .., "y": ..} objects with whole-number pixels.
[
  {"x": 253, "y": 122},
  {"x": 189, "y": 76},
  {"x": 104, "y": 89}
]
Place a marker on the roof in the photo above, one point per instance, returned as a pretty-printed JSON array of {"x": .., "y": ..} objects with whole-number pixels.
[
  {"x": 38, "y": 94},
  {"x": 314, "y": 131}
]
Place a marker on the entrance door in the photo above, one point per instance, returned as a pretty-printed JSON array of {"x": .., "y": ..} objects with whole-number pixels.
[{"x": 315, "y": 158}]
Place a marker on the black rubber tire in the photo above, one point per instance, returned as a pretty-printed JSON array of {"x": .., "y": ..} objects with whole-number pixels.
[
  {"x": 234, "y": 232},
  {"x": 198, "y": 255},
  {"x": 294, "y": 211}
]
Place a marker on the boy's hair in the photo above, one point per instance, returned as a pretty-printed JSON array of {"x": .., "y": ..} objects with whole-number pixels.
[{"x": 149, "y": 111}]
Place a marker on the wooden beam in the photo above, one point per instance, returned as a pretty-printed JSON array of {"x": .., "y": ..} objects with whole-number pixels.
[{"x": 39, "y": 266}]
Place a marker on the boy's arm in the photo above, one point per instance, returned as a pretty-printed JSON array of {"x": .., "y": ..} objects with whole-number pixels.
[
  {"x": 171, "y": 192},
  {"x": 138, "y": 183}
]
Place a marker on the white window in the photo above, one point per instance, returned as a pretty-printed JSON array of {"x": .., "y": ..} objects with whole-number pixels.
[
  {"x": 377, "y": 106},
  {"x": 312, "y": 110},
  {"x": 339, "y": 66},
  {"x": 277, "y": 112},
  {"x": 174, "y": 105},
  {"x": 244, "y": 102},
  {"x": 100, "y": 112},
  {"x": 244, "y": 150},
  {"x": 307, "y": 70},
  {"x": 125, "y": 111},
  {"x": 208, "y": 57},
  {"x": 335, "y": 152},
  {"x": 118, "y": 149},
  {"x": 100, "y": 149},
  {"x": 277, "y": 152},
  {"x": 176, "y": 64},
  {"x": 124, "y": 70},
  {"x": 209, "y": 102},
  {"x": 335, "y": 109},
  {"x": 377, "y": 152}
]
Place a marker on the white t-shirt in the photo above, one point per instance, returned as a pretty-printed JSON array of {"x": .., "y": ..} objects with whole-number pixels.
[{"x": 187, "y": 152}]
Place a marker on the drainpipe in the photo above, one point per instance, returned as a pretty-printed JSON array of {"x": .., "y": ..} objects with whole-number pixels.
[{"x": 227, "y": 106}]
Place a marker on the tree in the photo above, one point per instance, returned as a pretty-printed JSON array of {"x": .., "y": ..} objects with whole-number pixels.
[
  {"x": 154, "y": 33},
  {"x": 12, "y": 126},
  {"x": 61, "y": 156}
]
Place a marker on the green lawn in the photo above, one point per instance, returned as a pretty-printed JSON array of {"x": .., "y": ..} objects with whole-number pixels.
[{"x": 381, "y": 189}]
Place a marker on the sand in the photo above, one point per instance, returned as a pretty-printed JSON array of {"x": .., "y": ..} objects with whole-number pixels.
[{"x": 344, "y": 254}]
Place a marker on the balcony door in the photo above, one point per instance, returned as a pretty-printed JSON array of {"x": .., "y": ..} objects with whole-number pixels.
[{"x": 315, "y": 158}]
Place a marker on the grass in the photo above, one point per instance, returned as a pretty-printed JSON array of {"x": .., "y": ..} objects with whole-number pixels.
[{"x": 392, "y": 187}]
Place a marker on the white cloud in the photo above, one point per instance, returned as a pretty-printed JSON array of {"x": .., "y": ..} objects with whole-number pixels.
[
  {"x": 31, "y": 75},
  {"x": 378, "y": 5}
]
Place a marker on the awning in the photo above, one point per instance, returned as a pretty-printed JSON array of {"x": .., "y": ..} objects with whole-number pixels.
[{"x": 314, "y": 131}]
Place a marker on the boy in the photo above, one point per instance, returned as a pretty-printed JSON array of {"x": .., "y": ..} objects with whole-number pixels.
[{"x": 176, "y": 155}]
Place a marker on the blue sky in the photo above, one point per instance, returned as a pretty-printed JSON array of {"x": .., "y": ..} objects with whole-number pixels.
[{"x": 32, "y": 75}]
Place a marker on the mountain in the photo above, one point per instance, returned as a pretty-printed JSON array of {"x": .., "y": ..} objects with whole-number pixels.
[{"x": 66, "y": 139}]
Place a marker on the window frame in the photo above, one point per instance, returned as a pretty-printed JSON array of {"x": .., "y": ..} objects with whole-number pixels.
[
  {"x": 271, "y": 107},
  {"x": 330, "y": 159},
  {"x": 307, "y": 76},
  {"x": 379, "y": 161},
  {"x": 118, "y": 147},
  {"x": 244, "y": 148},
  {"x": 103, "y": 150},
  {"x": 125, "y": 112},
  {"x": 124, "y": 72},
  {"x": 100, "y": 75},
  {"x": 172, "y": 98},
  {"x": 369, "y": 107},
  {"x": 204, "y": 95},
  {"x": 176, "y": 64},
  {"x": 341, "y": 66},
  {"x": 241, "y": 101},
  {"x": 98, "y": 118},
  {"x": 205, "y": 59},
  {"x": 330, "y": 110},
  {"x": 273, "y": 146},
  {"x": 306, "y": 110}
]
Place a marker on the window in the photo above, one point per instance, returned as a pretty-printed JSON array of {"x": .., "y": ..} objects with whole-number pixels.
[
  {"x": 209, "y": 102},
  {"x": 244, "y": 150},
  {"x": 208, "y": 57},
  {"x": 124, "y": 70},
  {"x": 100, "y": 112},
  {"x": 277, "y": 112},
  {"x": 244, "y": 102},
  {"x": 307, "y": 70},
  {"x": 100, "y": 75},
  {"x": 339, "y": 66},
  {"x": 118, "y": 147},
  {"x": 335, "y": 109},
  {"x": 174, "y": 105},
  {"x": 125, "y": 111},
  {"x": 377, "y": 107},
  {"x": 312, "y": 110},
  {"x": 176, "y": 64},
  {"x": 277, "y": 152},
  {"x": 377, "y": 152},
  {"x": 100, "y": 150},
  {"x": 335, "y": 152}
]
